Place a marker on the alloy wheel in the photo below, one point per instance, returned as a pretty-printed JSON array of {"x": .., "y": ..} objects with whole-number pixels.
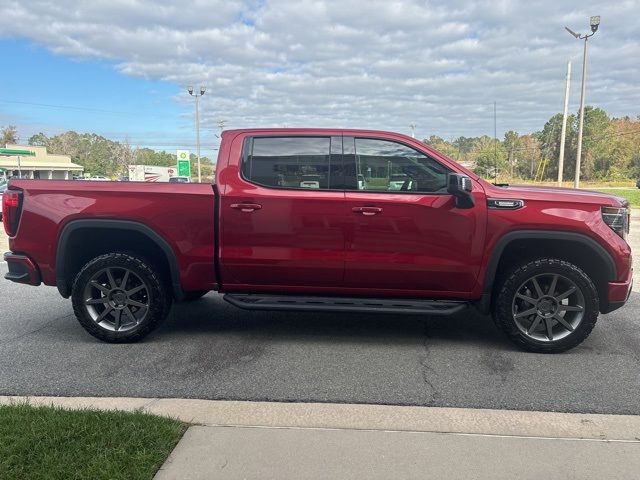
[
  {"x": 117, "y": 299},
  {"x": 548, "y": 307}
]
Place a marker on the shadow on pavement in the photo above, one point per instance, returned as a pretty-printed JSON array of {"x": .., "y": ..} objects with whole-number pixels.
[{"x": 211, "y": 315}]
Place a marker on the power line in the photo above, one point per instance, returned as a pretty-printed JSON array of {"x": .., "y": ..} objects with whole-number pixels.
[{"x": 68, "y": 107}]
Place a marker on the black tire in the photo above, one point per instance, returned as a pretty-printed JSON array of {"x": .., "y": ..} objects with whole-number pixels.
[
  {"x": 154, "y": 294},
  {"x": 512, "y": 289},
  {"x": 194, "y": 295}
]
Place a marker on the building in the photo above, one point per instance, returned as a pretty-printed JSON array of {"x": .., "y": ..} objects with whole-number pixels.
[{"x": 42, "y": 165}]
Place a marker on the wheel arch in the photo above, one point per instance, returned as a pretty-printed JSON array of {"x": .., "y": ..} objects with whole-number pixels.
[
  {"x": 577, "y": 248},
  {"x": 141, "y": 239}
]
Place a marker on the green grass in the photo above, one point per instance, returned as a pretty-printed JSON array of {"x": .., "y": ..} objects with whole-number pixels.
[
  {"x": 52, "y": 443},
  {"x": 631, "y": 194}
]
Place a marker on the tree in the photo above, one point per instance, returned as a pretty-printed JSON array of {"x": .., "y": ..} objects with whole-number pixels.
[
  {"x": 528, "y": 156},
  {"x": 442, "y": 146},
  {"x": 38, "y": 140},
  {"x": 9, "y": 134},
  {"x": 489, "y": 157},
  {"x": 122, "y": 156},
  {"x": 596, "y": 143},
  {"x": 463, "y": 145},
  {"x": 511, "y": 144},
  {"x": 148, "y": 156}
]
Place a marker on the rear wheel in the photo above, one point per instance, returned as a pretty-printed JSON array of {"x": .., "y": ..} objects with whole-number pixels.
[
  {"x": 119, "y": 298},
  {"x": 546, "y": 305}
]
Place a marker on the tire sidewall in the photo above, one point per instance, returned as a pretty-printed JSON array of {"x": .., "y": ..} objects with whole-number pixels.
[
  {"x": 511, "y": 283},
  {"x": 159, "y": 297}
]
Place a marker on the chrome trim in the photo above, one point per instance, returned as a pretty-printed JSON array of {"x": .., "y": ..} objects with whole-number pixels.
[{"x": 505, "y": 203}]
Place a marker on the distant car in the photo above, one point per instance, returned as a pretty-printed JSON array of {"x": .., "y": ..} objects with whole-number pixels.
[
  {"x": 310, "y": 181},
  {"x": 179, "y": 180},
  {"x": 98, "y": 178},
  {"x": 638, "y": 183}
]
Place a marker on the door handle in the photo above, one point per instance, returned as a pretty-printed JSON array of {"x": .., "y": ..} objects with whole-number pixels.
[
  {"x": 246, "y": 207},
  {"x": 368, "y": 211}
]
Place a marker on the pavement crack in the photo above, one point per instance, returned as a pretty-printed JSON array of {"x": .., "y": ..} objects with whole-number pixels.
[
  {"x": 426, "y": 370},
  {"x": 41, "y": 327}
]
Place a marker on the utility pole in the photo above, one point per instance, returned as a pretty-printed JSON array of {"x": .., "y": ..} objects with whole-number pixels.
[
  {"x": 413, "y": 130},
  {"x": 495, "y": 145},
  {"x": 202, "y": 90},
  {"x": 564, "y": 124},
  {"x": 595, "y": 22}
]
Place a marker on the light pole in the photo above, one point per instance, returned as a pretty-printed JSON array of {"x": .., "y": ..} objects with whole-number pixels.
[
  {"x": 413, "y": 130},
  {"x": 190, "y": 90},
  {"x": 595, "y": 22}
]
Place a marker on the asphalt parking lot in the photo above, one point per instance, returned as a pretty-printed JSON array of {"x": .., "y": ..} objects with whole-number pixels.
[{"x": 209, "y": 349}]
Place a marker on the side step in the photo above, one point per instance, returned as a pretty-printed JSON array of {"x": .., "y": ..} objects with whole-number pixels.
[{"x": 249, "y": 301}]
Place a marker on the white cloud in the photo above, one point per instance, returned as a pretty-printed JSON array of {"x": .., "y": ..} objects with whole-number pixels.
[{"x": 377, "y": 64}]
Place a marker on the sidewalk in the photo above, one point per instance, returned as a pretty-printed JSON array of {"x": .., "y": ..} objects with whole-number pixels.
[
  {"x": 265, "y": 453},
  {"x": 261, "y": 440}
]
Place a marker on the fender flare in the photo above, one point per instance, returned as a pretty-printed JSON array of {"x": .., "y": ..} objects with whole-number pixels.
[
  {"x": 505, "y": 240},
  {"x": 69, "y": 228}
]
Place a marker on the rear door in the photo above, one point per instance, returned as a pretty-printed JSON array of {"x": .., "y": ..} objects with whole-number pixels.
[
  {"x": 405, "y": 234},
  {"x": 282, "y": 215}
]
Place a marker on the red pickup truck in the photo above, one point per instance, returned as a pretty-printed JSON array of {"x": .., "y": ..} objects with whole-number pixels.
[{"x": 328, "y": 220}]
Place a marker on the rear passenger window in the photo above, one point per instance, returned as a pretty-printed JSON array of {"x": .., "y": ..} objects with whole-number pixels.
[{"x": 288, "y": 162}]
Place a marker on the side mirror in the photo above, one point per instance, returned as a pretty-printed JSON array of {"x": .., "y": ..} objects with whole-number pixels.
[{"x": 460, "y": 186}]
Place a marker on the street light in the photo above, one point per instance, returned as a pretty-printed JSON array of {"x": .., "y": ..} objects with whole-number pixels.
[
  {"x": 594, "y": 22},
  {"x": 190, "y": 90}
]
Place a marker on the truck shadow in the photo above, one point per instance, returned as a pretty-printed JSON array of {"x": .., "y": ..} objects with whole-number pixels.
[{"x": 212, "y": 315}]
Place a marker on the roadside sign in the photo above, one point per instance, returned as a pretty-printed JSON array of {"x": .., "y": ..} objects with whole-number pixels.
[{"x": 184, "y": 163}]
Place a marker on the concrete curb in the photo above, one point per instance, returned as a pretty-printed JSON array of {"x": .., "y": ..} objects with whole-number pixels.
[{"x": 366, "y": 417}]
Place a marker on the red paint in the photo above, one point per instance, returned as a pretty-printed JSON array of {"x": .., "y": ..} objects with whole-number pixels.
[
  {"x": 182, "y": 214},
  {"x": 401, "y": 244}
]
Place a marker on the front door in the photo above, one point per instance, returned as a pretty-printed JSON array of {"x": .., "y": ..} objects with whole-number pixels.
[
  {"x": 282, "y": 219},
  {"x": 405, "y": 234}
]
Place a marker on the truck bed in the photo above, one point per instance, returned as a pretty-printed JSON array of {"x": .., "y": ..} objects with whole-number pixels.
[{"x": 181, "y": 214}]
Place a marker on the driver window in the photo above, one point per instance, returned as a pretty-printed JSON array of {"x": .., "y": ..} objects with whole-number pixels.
[{"x": 386, "y": 166}]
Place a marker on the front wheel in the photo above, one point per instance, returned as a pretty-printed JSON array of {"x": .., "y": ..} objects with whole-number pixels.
[
  {"x": 546, "y": 305},
  {"x": 119, "y": 298}
]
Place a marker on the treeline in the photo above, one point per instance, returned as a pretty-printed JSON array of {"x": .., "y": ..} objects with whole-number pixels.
[
  {"x": 610, "y": 150},
  {"x": 101, "y": 156}
]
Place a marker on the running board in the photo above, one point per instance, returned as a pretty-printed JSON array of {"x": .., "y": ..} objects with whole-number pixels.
[{"x": 250, "y": 301}]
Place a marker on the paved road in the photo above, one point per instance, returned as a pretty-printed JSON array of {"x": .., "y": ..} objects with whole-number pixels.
[{"x": 209, "y": 349}]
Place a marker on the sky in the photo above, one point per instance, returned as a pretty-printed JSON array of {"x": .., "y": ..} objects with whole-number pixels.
[{"x": 121, "y": 68}]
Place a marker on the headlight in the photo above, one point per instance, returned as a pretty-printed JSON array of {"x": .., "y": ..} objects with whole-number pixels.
[{"x": 618, "y": 219}]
